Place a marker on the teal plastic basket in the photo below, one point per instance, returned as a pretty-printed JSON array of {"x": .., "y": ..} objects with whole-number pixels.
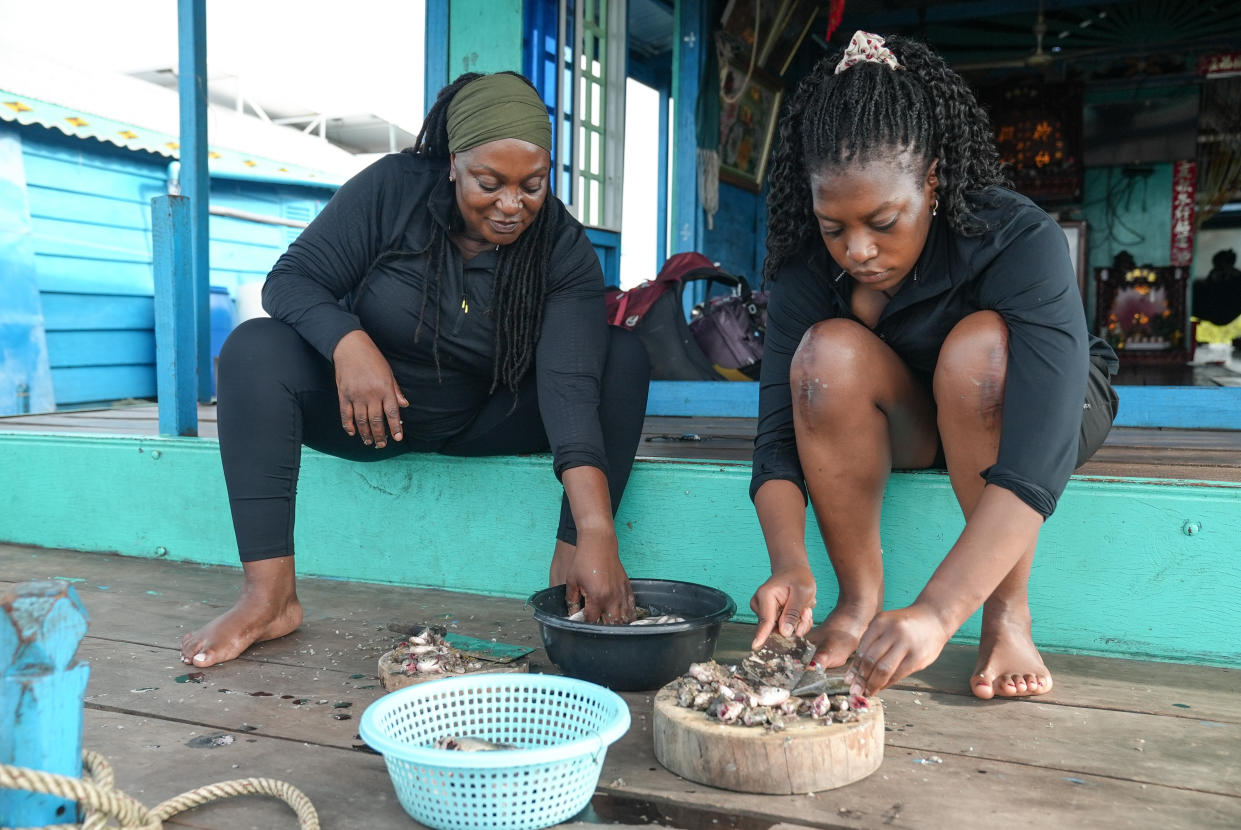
[{"x": 562, "y": 726}]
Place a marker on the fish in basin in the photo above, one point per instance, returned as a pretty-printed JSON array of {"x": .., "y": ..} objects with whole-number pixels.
[{"x": 645, "y": 616}]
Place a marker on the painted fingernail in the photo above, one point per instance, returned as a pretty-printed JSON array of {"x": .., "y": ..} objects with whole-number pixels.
[{"x": 812, "y": 665}]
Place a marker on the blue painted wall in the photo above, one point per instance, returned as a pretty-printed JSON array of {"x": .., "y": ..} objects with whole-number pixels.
[
  {"x": 1129, "y": 211},
  {"x": 738, "y": 240},
  {"x": 90, "y": 215}
]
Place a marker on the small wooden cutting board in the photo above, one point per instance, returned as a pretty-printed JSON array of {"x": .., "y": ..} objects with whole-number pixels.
[{"x": 806, "y": 756}]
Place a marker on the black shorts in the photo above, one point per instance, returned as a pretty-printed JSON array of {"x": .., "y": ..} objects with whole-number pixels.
[{"x": 1098, "y": 411}]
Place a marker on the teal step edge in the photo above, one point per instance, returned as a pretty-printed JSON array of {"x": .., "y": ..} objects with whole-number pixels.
[
  {"x": 1181, "y": 407},
  {"x": 1140, "y": 568}
]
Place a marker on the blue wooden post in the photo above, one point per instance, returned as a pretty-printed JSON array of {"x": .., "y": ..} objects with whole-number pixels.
[
  {"x": 690, "y": 40},
  {"x": 435, "y": 59},
  {"x": 41, "y": 695},
  {"x": 195, "y": 184},
  {"x": 175, "y": 365}
]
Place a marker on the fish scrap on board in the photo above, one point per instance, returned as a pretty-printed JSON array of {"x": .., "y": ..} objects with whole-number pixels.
[{"x": 768, "y": 687}]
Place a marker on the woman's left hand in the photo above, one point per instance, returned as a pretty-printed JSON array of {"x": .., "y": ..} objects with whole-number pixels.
[
  {"x": 895, "y": 645},
  {"x": 597, "y": 580}
]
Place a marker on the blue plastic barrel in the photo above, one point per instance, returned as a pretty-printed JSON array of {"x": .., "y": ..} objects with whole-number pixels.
[{"x": 223, "y": 321}]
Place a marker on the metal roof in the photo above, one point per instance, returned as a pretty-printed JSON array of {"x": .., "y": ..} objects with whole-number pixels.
[{"x": 138, "y": 115}]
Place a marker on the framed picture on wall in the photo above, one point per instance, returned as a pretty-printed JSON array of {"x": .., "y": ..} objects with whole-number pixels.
[
  {"x": 748, "y": 111},
  {"x": 741, "y": 16},
  {"x": 791, "y": 26}
]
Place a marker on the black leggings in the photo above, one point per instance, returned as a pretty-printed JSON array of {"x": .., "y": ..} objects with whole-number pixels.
[{"x": 277, "y": 393}]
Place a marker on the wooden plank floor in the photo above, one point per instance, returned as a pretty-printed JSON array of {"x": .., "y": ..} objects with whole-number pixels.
[
  {"x": 1117, "y": 744},
  {"x": 1205, "y": 455}
]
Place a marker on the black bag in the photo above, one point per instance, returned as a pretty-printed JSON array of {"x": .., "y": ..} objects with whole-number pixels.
[{"x": 654, "y": 312}]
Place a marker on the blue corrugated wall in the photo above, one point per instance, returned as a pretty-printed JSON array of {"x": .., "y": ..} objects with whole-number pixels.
[{"x": 90, "y": 213}]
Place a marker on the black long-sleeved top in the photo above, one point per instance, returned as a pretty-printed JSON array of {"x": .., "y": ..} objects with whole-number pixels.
[
  {"x": 371, "y": 240},
  {"x": 1019, "y": 268}
]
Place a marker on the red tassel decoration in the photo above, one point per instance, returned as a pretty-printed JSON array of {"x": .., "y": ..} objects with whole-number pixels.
[{"x": 835, "y": 11}]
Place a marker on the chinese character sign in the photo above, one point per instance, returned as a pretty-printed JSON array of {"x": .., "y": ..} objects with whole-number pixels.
[
  {"x": 1220, "y": 64},
  {"x": 1038, "y": 133},
  {"x": 1184, "y": 184}
]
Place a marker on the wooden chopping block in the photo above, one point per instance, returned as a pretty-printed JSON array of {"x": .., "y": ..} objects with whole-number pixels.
[
  {"x": 393, "y": 677},
  {"x": 807, "y": 756}
]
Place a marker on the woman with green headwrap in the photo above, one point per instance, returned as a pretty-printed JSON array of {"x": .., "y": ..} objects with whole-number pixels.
[{"x": 443, "y": 301}]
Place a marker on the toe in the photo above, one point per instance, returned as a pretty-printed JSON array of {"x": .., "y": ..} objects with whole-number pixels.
[
  {"x": 202, "y": 660},
  {"x": 982, "y": 687}
]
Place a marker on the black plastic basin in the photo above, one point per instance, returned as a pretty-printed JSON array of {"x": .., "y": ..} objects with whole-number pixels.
[{"x": 633, "y": 658}]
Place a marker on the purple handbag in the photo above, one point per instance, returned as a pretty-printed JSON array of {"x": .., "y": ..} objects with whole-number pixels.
[{"x": 730, "y": 329}]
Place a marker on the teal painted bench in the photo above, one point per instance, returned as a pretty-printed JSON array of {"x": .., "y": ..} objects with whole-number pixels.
[{"x": 1126, "y": 567}]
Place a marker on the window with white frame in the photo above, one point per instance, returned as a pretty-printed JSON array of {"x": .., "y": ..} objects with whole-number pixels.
[{"x": 589, "y": 111}]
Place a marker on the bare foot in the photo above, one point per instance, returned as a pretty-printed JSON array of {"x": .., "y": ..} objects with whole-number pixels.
[
  {"x": 267, "y": 608},
  {"x": 837, "y": 637},
  {"x": 561, "y": 557},
  {"x": 1008, "y": 663}
]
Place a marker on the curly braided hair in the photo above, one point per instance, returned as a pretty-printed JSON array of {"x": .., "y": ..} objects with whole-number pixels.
[
  {"x": 517, "y": 298},
  {"x": 870, "y": 112}
]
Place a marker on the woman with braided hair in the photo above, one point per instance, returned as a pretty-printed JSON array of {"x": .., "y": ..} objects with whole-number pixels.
[
  {"x": 443, "y": 301},
  {"x": 921, "y": 315}
]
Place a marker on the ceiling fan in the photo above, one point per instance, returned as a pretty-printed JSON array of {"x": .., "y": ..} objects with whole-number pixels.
[
  {"x": 1035, "y": 60},
  {"x": 1137, "y": 29},
  {"x": 1040, "y": 58}
]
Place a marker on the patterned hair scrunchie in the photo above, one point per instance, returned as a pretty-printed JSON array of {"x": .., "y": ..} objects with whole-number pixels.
[{"x": 866, "y": 47}]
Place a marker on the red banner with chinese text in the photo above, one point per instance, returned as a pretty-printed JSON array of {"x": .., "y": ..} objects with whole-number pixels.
[
  {"x": 1184, "y": 187},
  {"x": 1219, "y": 64}
]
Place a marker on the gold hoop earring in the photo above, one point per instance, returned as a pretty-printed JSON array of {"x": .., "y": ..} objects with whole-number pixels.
[{"x": 935, "y": 207}]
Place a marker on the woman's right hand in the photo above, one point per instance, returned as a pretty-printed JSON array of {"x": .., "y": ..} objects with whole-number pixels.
[
  {"x": 370, "y": 400},
  {"x": 785, "y": 600},
  {"x": 596, "y": 583}
]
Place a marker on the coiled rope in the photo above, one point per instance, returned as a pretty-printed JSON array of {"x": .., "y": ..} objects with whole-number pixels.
[{"x": 101, "y": 802}]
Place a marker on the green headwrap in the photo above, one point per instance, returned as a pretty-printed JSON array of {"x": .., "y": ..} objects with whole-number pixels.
[{"x": 494, "y": 107}]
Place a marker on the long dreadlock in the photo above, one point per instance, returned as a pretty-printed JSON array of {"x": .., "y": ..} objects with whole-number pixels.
[
  {"x": 871, "y": 112},
  {"x": 519, "y": 282}
]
